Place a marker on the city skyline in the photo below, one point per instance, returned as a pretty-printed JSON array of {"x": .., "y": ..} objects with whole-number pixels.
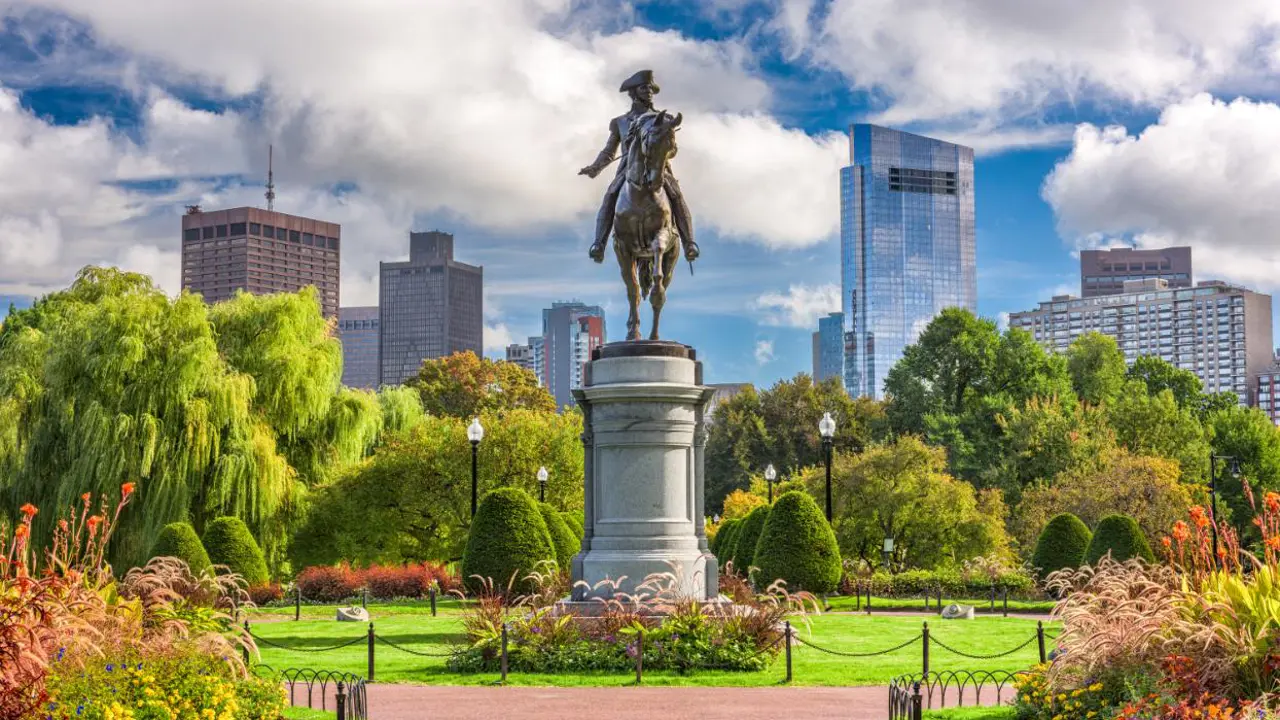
[{"x": 110, "y": 134}]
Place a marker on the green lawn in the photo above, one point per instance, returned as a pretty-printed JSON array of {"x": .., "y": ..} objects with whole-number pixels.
[
  {"x": 983, "y": 605},
  {"x": 306, "y": 713},
  {"x": 996, "y": 712},
  {"x": 411, "y": 625}
]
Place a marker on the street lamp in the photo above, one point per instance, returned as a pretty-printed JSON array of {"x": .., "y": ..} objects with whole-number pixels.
[
  {"x": 542, "y": 484},
  {"x": 769, "y": 476},
  {"x": 475, "y": 433},
  {"x": 1234, "y": 471},
  {"x": 827, "y": 429},
  {"x": 888, "y": 551}
]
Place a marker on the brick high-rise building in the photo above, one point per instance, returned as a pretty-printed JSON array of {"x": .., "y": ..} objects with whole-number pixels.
[
  {"x": 261, "y": 252},
  {"x": 430, "y": 306},
  {"x": 1104, "y": 272},
  {"x": 358, "y": 331}
]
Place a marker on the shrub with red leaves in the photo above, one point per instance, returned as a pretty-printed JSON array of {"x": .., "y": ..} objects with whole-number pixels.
[
  {"x": 389, "y": 582},
  {"x": 266, "y": 594},
  {"x": 322, "y": 583}
]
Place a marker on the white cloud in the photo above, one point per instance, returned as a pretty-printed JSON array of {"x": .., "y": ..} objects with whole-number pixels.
[
  {"x": 800, "y": 306},
  {"x": 934, "y": 59},
  {"x": 1002, "y": 321},
  {"x": 764, "y": 352},
  {"x": 497, "y": 337},
  {"x": 1206, "y": 175}
]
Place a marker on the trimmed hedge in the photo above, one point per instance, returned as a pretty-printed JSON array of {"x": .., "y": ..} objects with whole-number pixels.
[
  {"x": 1121, "y": 536},
  {"x": 726, "y": 541},
  {"x": 748, "y": 537},
  {"x": 576, "y": 523},
  {"x": 229, "y": 542},
  {"x": 508, "y": 540},
  {"x": 1062, "y": 544},
  {"x": 953, "y": 584},
  {"x": 562, "y": 538},
  {"x": 179, "y": 540},
  {"x": 798, "y": 546}
]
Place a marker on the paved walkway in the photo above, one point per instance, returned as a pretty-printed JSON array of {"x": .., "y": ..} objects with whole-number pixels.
[{"x": 411, "y": 702}]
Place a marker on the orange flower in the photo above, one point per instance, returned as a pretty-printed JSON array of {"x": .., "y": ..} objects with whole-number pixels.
[
  {"x": 1199, "y": 517},
  {"x": 93, "y": 524},
  {"x": 29, "y": 510},
  {"x": 127, "y": 489},
  {"x": 85, "y": 497},
  {"x": 1180, "y": 531},
  {"x": 21, "y": 532},
  {"x": 1274, "y": 542},
  {"x": 63, "y": 525},
  {"x": 1273, "y": 502}
]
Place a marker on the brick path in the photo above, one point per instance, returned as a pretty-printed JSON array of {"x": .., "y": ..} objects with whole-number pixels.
[{"x": 410, "y": 702}]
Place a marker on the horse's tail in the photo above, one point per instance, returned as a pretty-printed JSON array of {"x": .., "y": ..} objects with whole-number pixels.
[{"x": 645, "y": 268}]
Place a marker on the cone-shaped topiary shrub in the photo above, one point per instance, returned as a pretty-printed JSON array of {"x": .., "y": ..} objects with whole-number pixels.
[
  {"x": 798, "y": 546},
  {"x": 1121, "y": 536},
  {"x": 179, "y": 540},
  {"x": 1062, "y": 544},
  {"x": 575, "y": 522},
  {"x": 229, "y": 542},
  {"x": 725, "y": 538},
  {"x": 562, "y": 538},
  {"x": 508, "y": 539},
  {"x": 744, "y": 554}
]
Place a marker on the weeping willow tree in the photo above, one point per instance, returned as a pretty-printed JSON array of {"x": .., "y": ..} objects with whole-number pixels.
[{"x": 234, "y": 410}]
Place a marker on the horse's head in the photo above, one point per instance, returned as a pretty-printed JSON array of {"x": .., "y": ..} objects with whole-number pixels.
[{"x": 657, "y": 146}]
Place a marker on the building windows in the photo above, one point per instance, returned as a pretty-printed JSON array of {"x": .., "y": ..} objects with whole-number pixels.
[
  {"x": 255, "y": 229},
  {"x": 238, "y": 229},
  {"x": 222, "y": 231},
  {"x": 206, "y": 232},
  {"x": 295, "y": 236},
  {"x": 191, "y": 234}
]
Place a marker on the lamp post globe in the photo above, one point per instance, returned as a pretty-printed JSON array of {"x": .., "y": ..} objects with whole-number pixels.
[
  {"x": 475, "y": 433},
  {"x": 827, "y": 429},
  {"x": 770, "y": 474},
  {"x": 542, "y": 484}
]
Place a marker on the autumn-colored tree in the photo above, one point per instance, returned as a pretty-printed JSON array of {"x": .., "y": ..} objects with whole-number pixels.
[{"x": 463, "y": 385}]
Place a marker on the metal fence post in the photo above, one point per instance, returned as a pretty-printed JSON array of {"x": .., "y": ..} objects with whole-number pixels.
[
  {"x": 504, "y": 653},
  {"x": 939, "y": 600},
  {"x": 639, "y": 657},
  {"x": 433, "y": 598},
  {"x": 249, "y": 636},
  {"x": 364, "y": 599},
  {"x": 297, "y": 603},
  {"x": 1006, "y": 602},
  {"x": 788, "y": 642},
  {"x": 917, "y": 709},
  {"x": 925, "y": 635},
  {"x": 371, "y": 639},
  {"x": 868, "y": 598},
  {"x": 993, "y": 598},
  {"x": 1040, "y": 638},
  {"x": 340, "y": 699}
]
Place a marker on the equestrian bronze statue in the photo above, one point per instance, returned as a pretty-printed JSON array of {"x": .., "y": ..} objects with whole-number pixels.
[{"x": 643, "y": 207}]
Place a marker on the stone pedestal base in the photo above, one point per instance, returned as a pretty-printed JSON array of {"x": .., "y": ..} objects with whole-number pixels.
[{"x": 644, "y": 437}]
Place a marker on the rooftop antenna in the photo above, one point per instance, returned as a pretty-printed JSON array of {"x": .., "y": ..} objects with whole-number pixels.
[{"x": 271, "y": 183}]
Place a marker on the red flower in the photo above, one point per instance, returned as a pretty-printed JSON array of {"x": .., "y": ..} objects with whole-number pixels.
[
  {"x": 85, "y": 497},
  {"x": 29, "y": 510},
  {"x": 127, "y": 489}
]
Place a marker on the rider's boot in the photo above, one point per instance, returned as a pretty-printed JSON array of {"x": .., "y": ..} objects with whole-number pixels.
[{"x": 604, "y": 220}]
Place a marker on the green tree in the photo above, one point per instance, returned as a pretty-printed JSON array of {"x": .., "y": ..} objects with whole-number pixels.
[
  {"x": 1120, "y": 536},
  {"x": 1155, "y": 425},
  {"x": 411, "y": 500},
  {"x": 1159, "y": 375},
  {"x": 902, "y": 491},
  {"x": 229, "y": 543},
  {"x": 1045, "y": 437},
  {"x": 941, "y": 372},
  {"x": 798, "y": 547},
  {"x": 463, "y": 385},
  {"x": 1062, "y": 544},
  {"x": 566, "y": 544},
  {"x": 1248, "y": 435},
  {"x": 508, "y": 541},
  {"x": 1097, "y": 368},
  {"x": 179, "y": 540},
  {"x": 745, "y": 546}
]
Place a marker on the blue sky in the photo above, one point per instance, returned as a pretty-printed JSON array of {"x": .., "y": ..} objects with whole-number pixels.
[{"x": 1155, "y": 126}]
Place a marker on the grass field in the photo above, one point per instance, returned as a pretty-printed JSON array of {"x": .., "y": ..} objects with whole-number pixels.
[
  {"x": 983, "y": 605},
  {"x": 412, "y": 626},
  {"x": 998, "y": 712}
]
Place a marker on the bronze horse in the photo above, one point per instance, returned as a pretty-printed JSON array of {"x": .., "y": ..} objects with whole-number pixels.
[{"x": 645, "y": 238}]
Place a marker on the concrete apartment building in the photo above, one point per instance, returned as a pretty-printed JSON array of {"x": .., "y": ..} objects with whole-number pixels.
[
  {"x": 261, "y": 252},
  {"x": 1104, "y": 272},
  {"x": 570, "y": 332},
  {"x": 430, "y": 306},
  {"x": 1220, "y": 332}
]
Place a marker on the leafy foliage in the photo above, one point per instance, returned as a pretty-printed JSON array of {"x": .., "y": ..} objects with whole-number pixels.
[
  {"x": 229, "y": 543},
  {"x": 464, "y": 386},
  {"x": 726, "y": 540},
  {"x": 1119, "y": 536},
  {"x": 179, "y": 540},
  {"x": 798, "y": 547},
  {"x": 744, "y": 551},
  {"x": 575, "y": 521},
  {"x": 566, "y": 544},
  {"x": 508, "y": 541},
  {"x": 1097, "y": 368},
  {"x": 1062, "y": 544}
]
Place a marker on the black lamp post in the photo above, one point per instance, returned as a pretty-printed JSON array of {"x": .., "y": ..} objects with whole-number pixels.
[
  {"x": 475, "y": 433},
  {"x": 769, "y": 476},
  {"x": 1234, "y": 470},
  {"x": 827, "y": 429},
  {"x": 542, "y": 484}
]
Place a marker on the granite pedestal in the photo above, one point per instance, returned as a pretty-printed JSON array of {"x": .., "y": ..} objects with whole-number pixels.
[{"x": 644, "y": 436}]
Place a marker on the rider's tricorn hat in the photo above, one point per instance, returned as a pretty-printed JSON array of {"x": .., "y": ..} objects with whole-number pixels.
[{"x": 644, "y": 77}]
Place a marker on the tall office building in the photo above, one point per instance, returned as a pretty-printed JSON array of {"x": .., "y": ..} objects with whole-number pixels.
[
  {"x": 907, "y": 245},
  {"x": 570, "y": 332},
  {"x": 1268, "y": 390},
  {"x": 828, "y": 348},
  {"x": 358, "y": 331},
  {"x": 430, "y": 306},
  {"x": 1220, "y": 332},
  {"x": 261, "y": 252},
  {"x": 521, "y": 355},
  {"x": 1104, "y": 272}
]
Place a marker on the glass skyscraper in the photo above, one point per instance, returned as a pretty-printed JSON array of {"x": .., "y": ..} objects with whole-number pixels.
[{"x": 907, "y": 245}]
